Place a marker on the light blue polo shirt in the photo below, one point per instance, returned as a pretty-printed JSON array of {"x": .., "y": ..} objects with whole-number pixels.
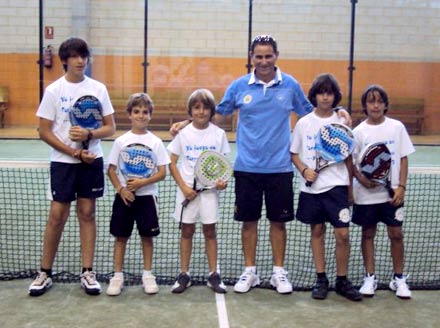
[{"x": 263, "y": 131}]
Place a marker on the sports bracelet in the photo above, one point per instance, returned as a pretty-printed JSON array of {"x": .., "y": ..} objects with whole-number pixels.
[
  {"x": 302, "y": 172},
  {"x": 403, "y": 187}
]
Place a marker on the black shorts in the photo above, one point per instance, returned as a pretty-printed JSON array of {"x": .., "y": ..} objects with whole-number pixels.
[
  {"x": 277, "y": 190},
  {"x": 371, "y": 215},
  {"x": 143, "y": 211},
  {"x": 330, "y": 206},
  {"x": 71, "y": 181}
]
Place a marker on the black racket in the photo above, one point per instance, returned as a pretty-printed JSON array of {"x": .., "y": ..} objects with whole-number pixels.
[
  {"x": 333, "y": 144},
  {"x": 376, "y": 165},
  {"x": 86, "y": 112}
]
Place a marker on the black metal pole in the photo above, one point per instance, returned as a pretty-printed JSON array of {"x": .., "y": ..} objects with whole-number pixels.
[
  {"x": 41, "y": 45},
  {"x": 249, "y": 65},
  {"x": 351, "y": 67},
  {"x": 145, "y": 63}
]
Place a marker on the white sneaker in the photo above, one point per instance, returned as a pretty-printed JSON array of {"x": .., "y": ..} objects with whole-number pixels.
[
  {"x": 280, "y": 282},
  {"x": 247, "y": 280},
  {"x": 149, "y": 284},
  {"x": 115, "y": 287},
  {"x": 89, "y": 283},
  {"x": 369, "y": 286},
  {"x": 400, "y": 287},
  {"x": 40, "y": 285}
]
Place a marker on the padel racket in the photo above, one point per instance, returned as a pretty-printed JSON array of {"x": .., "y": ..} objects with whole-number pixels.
[
  {"x": 86, "y": 112},
  {"x": 137, "y": 161},
  {"x": 376, "y": 165},
  {"x": 333, "y": 144},
  {"x": 211, "y": 166}
]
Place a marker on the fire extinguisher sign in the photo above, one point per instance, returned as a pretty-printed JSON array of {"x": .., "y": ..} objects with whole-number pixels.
[{"x": 48, "y": 32}]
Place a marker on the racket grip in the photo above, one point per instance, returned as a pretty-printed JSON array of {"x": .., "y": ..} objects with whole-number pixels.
[
  {"x": 308, "y": 183},
  {"x": 185, "y": 202}
]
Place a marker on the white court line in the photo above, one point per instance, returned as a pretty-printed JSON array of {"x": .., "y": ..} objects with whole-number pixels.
[{"x": 223, "y": 321}]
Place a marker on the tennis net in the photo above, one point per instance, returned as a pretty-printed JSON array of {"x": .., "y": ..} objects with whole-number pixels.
[{"x": 24, "y": 209}]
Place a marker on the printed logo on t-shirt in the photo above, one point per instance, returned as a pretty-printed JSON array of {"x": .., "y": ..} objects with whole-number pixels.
[{"x": 247, "y": 99}]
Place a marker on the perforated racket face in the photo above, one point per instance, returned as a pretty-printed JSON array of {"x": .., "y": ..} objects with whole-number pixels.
[
  {"x": 376, "y": 162},
  {"x": 137, "y": 161},
  {"x": 211, "y": 167},
  {"x": 86, "y": 112},
  {"x": 334, "y": 142}
]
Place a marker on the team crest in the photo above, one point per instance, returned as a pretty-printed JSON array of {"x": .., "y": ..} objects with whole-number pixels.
[
  {"x": 344, "y": 215},
  {"x": 400, "y": 214},
  {"x": 247, "y": 99}
]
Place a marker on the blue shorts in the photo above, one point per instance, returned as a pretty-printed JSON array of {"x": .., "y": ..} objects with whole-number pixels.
[
  {"x": 372, "y": 214},
  {"x": 330, "y": 206},
  {"x": 71, "y": 181},
  {"x": 277, "y": 190},
  {"x": 143, "y": 211}
]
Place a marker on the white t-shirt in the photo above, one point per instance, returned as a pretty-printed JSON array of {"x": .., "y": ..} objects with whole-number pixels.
[
  {"x": 190, "y": 142},
  {"x": 55, "y": 106},
  {"x": 391, "y": 132},
  {"x": 303, "y": 143},
  {"x": 147, "y": 139}
]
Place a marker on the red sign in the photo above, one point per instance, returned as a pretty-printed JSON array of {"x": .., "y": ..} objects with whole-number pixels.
[{"x": 48, "y": 32}]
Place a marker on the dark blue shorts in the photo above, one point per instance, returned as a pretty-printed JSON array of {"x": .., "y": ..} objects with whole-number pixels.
[
  {"x": 277, "y": 190},
  {"x": 372, "y": 214},
  {"x": 71, "y": 181},
  {"x": 143, "y": 211},
  {"x": 330, "y": 206}
]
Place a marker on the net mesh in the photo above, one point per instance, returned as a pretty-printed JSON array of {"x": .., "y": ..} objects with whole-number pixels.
[{"x": 24, "y": 209}]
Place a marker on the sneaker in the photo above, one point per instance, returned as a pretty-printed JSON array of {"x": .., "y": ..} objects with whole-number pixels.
[
  {"x": 400, "y": 287},
  {"x": 89, "y": 283},
  {"x": 369, "y": 286},
  {"x": 280, "y": 282},
  {"x": 216, "y": 283},
  {"x": 115, "y": 287},
  {"x": 149, "y": 284},
  {"x": 320, "y": 289},
  {"x": 247, "y": 280},
  {"x": 40, "y": 285},
  {"x": 183, "y": 281},
  {"x": 346, "y": 289}
]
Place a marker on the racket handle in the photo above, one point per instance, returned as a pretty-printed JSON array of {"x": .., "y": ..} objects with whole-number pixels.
[
  {"x": 308, "y": 183},
  {"x": 185, "y": 202}
]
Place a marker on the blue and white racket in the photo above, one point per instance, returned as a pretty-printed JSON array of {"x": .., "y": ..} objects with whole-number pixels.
[
  {"x": 137, "y": 161},
  {"x": 333, "y": 144},
  {"x": 86, "y": 112}
]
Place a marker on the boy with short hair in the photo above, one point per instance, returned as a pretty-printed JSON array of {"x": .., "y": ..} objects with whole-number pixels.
[
  {"x": 188, "y": 145},
  {"x": 136, "y": 198}
]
